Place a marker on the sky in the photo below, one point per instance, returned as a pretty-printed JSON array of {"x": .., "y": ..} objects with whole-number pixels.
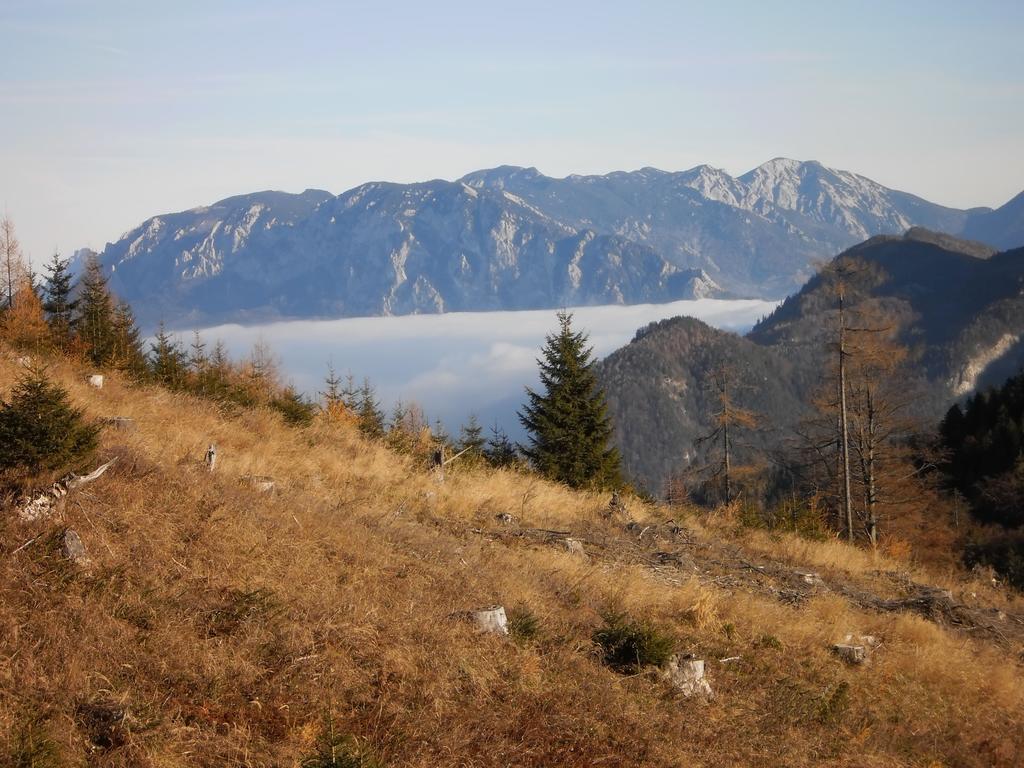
[{"x": 111, "y": 112}]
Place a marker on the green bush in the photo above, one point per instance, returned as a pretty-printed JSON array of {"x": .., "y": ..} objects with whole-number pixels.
[
  {"x": 337, "y": 750},
  {"x": 628, "y": 645},
  {"x": 296, "y": 410},
  {"x": 39, "y": 429},
  {"x": 33, "y": 748},
  {"x": 523, "y": 624}
]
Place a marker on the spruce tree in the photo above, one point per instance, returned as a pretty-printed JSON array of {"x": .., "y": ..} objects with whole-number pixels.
[
  {"x": 332, "y": 394},
  {"x": 58, "y": 302},
  {"x": 39, "y": 428},
  {"x": 471, "y": 439},
  {"x": 95, "y": 319},
  {"x": 167, "y": 359},
  {"x": 371, "y": 417},
  {"x": 500, "y": 451},
  {"x": 294, "y": 407},
  {"x": 126, "y": 352},
  {"x": 568, "y": 424}
]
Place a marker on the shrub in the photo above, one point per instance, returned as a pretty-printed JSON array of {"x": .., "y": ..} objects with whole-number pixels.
[
  {"x": 523, "y": 624},
  {"x": 1004, "y": 553},
  {"x": 40, "y": 430},
  {"x": 296, "y": 410},
  {"x": 33, "y": 748},
  {"x": 337, "y": 750},
  {"x": 628, "y": 645}
]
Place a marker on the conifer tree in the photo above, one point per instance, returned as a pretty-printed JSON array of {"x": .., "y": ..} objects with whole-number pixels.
[
  {"x": 12, "y": 263},
  {"x": 126, "y": 352},
  {"x": 166, "y": 359},
  {"x": 332, "y": 394},
  {"x": 371, "y": 417},
  {"x": 500, "y": 451},
  {"x": 294, "y": 407},
  {"x": 568, "y": 424},
  {"x": 471, "y": 439},
  {"x": 58, "y": 302},
  {"x": 95, "y": 320},
  {"x": 40, "y": 430},
  {"x": 23, "y": 324}
]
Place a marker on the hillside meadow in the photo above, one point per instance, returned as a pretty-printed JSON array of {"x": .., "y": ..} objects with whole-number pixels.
[{"x": 215, "y": 625}]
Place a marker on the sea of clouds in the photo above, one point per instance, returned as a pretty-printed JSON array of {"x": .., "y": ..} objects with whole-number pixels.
[{"x": 460, "y": 363}]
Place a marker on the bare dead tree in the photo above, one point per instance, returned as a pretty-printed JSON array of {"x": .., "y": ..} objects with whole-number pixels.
[
  {"x": 727, "y": 419},
  {"x": 13, "y": 262}
]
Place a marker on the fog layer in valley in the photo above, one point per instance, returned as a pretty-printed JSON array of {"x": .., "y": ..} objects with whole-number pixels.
[{"x": 459, "y": 363}]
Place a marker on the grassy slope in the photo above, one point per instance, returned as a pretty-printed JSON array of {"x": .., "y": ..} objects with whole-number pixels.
[{"x": 229, "y": 623}]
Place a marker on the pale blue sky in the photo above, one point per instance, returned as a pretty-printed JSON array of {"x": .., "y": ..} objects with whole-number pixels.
[{"x": 115, "y": 111}]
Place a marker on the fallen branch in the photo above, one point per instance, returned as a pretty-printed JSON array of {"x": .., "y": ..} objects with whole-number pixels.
[{"x": 77, "y": 481}]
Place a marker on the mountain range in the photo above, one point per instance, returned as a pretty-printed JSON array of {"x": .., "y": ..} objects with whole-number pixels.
[
  {"x": 958, "y": 306},
  {"x": 513, "y": 238}
]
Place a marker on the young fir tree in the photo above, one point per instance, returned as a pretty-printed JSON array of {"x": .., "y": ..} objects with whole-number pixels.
[
  {"x": 126, "y": 353},
  {"x": 371, "y": 417},
  {"x": 568, "y": 424},
  {"x": 500, "y": 451},
  {"x": 58, "y": 302},
  {"x": 296, "y": 410},
  {"x": 471, "y": 438},
  {"x": 95, "y": 319},
  {"x": 40, "y": 430},
  {"x": 332, "y": 394},
  {"x": 167, "y": 360}
]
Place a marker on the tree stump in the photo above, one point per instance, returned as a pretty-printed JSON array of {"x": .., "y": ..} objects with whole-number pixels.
[
  {"x": 851, "y": 654},
  {"x": 687, "y": 676},
  {"x": 811, "y": 578},
  {"x": 574, "y": 546},
  {"x": 211, "y": 457},
  {"x": 491, "y": 620},
  {"x": 856, "y": 649},
  {"x": 96, "y": 380},
  {"x": 260, "y": 483}
]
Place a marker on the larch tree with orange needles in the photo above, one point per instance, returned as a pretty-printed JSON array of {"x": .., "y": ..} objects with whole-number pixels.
[
  {"x": 24, "y": 323},
  {"x": 728, "y": 419}
]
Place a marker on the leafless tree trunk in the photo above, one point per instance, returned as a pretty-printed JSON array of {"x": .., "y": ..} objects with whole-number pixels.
[
  {"x": 844, "y": 423},
  {"x": 10, "y": 251}
]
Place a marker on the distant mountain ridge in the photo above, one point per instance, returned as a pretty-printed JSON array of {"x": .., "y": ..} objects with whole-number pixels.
[
  {"x": 958, "y": 303},
  {"x": 509, "y": 238}
]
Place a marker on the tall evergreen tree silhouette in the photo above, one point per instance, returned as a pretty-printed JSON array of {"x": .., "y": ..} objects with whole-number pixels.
[
  {"x": 568, "y": 424},
  {"x": 95, "y": 320}
]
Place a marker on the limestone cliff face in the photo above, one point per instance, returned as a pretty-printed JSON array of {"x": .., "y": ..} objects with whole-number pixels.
[{"x": 506, "y": 238}]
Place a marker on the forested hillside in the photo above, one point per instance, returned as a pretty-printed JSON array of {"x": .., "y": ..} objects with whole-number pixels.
[{"x": 955, "y": 310}]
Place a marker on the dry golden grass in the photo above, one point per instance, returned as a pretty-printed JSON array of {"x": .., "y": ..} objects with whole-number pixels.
[{"x": 229, "y": 624}]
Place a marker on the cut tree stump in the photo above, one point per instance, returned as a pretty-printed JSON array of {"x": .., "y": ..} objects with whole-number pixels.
[
  {"x": 122, "y": 423},
  {"x": 574, "y": 547},
  {"x": 96, "y": 380},
  {"x": 260, "y": 483},
  {"x": 855, "y": 649},
  {"x": 211, "y": 457},
  {"x": 491, "y": 620},
  {"x": 687, "y": 676}
]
